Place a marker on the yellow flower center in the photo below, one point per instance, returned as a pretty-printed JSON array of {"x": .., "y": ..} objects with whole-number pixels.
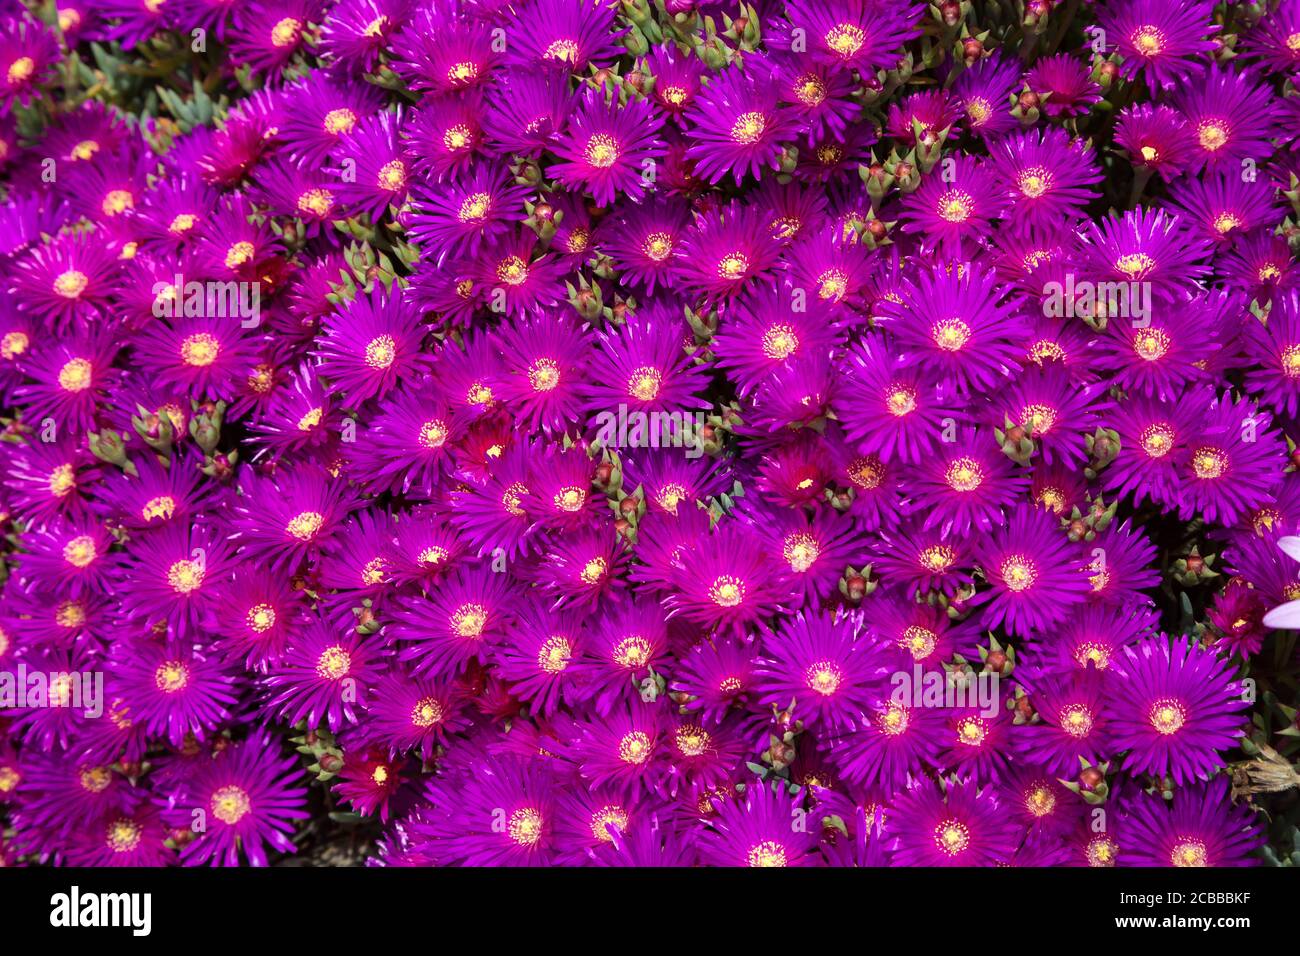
[
  {"x": 339, "y": 121},
  {"x": 602, "y": 151},
  {"x": 230, "y": 804},
  {"x": 71, "y": 284},
  {"x": 80, "y": 551},
  {"x": 1167, "y": 716},
  {"x": 748, "y": 128},
  {"x": 635, "y": 748},
  {"x": 964, "y": 474},
  {"x": 171, "y": 676},
  {"x": 305, "y": 525},
  {"x": 1019, "y": 573},
  {"x": 950, "y": 334},
  {"x": 1209, "y": 462},
  {"x": 823, "y": 677},
  {"x": 333, "y": 663},
  {"x": 727, "y": 591},
  {"x": 186, "y": 576},
  {"x": 553, "y": 656}
]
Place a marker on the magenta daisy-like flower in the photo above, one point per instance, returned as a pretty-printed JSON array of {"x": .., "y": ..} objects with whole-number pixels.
[
  {"x": 985, "y": 91},
  {"x": 1202, "y": 827},
  {"x": 526, "y": 111},
  {"x": 367, "y": 781},
  {"x": 1065, "y": 84},
  {"x": 625, "y": 750},
  {"x": 890, "y": 408},
  {"x": 372, "y": 345},
  {"x": 543, "y": 658},
  {"x": 1231, "y": 114},
  {"x": 407, "y": 447},
  {"x": 1274, "y": 350},
  {"x": 201, "y": 355},
  {"x": 727, "y": 251},
  {"x": 1156, "y": 138},
  {"x": 271, "y": 34},
  {"x": 441, "y": 50},
  {"x": 410, "y": 714},
  {"x": 723, "y": 581},
  {"x": 736, "y": 126},
  {"x": 954, "y": 210},
  {"x": 69, "y": 281},
  {"x": 891, "y": 743},
  {"x": 1074, "y": 722},
  {"x": 644, "y": 367},
  {"x": 497, "y": 812},
  {"x": 546, "y": 359},
  {"x": 1054, "y": 411},
  {"x": 605, "y": 149},
  {"x": 325, "y": 676},
  {"x": 457, "y": 216},
  {"x": 172, "y": 692},
  {"x": 1230, "y": 466},
  {"x": 322, "y": 111},
  {"x": 645, "y": 241},
  {"x": 257, "y": 615},
  {"x": 953, "y": 824},
  {"x": 1045, "y": 176},
  {"x": 247, "y": 798},
  {"x": 1160, "y": 39},
  {"x": 914, "y": 558},
  {"x": 812, "y": 552},
  {"x": 300, "y": 417},
  {"x": 976, "y": 741},
  {"x": 285, "y": 519},
  {"x": 717, "y": 676},
  {"x": 622, "y": 649},
  {"x": 826, "y": 666},
  {"x": 302, "y": 190},
  {"x": 29, "y": 53},
  {"x": 443, "y": 631},
  {"x": 1261, "y": 266},
  {"x": 132, "y": 837},
  {"x": 565, "y": 36},
  {"x": 1034, "y": 572},
  {"x": 1148, "y": 246},
  {"x": 862, "y": 35},
  {"x": 1222, "y": 207},
  {"x": 766, "y": 333},
  {"x": 175, "y": 576},
  {"x": 1176, "y": 707},
  {"x": 1120, "y": 568},
  {"x": 444, "y": 136},
  {"x": 958, "y": 323},
  {"x": 964, "y": 484},
  {"x": 757, "y": 830},
  {"x": 356, "y": 31},
  {"x": 1095, "y": 636},
  {"x": 514, "y": 282},
  {"x": 68, "y": 376},
  {"x": 69, "y": 558},
  {"x": 378, "y": 166}
]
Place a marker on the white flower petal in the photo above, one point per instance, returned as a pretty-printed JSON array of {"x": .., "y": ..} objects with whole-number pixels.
[
  {"x": 1290, "y": 546},
  {"x": 1286, "y": 617}
]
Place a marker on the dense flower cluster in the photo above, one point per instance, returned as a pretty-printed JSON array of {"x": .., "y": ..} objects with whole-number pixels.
[{"x": 529, "y": 432}]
